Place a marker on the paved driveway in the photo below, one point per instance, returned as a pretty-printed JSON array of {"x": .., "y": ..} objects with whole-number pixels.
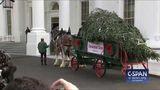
[{"x": 84, "y": 78}]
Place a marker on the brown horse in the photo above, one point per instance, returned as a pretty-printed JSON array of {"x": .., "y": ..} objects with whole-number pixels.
[
  {"x": 54, "y": 33},
  {"x": 62, "y": 47}
]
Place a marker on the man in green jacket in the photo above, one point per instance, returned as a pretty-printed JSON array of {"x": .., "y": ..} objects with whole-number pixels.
[{"x": 42, "y": 46}]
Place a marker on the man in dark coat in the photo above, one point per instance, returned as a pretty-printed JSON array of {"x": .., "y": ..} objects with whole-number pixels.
[{"x": 42, "y": 47}]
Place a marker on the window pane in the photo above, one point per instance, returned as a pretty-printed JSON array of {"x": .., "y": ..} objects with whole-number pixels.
[
  {"x": 129, "y": 11},
  {"x": 55, "y": 6},
  {"x": 85, "y": 10},
  {"x": 9, "y": 22}
]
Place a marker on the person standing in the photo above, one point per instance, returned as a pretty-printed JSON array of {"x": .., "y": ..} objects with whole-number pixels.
[
  {"x": 27, "y": 31},
  {"x": 42, "y": 47}
]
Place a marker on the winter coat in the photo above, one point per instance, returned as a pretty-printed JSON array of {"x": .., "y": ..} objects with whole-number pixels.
[{"x": 42, "y": 46}]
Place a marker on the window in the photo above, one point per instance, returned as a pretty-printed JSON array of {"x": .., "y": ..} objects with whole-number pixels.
[
  {"x": 85, "y": 10},
  {"x": 9, "y": 24},
  {"x": 31, "y": 17},
  {"x": 55, "y": 6},
  {"x": 129, "y": 11}
]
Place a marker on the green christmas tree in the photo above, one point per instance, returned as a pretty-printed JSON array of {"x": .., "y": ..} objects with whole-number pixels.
[{"x": 102, "y": 26}]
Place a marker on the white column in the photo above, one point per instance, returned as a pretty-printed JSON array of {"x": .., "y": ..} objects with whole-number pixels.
[
  {"x": 3, "y": 23},
  {"x": 38, "y": 15},
  {"x": 15, "y": 21},
  {"x": 38, "y": 29},
  {"x": 28, "y": 14},
  {"x": 75, "y": 16},
  {"x": 64, "y": 14},
  {"x": 18, "y": 21}
]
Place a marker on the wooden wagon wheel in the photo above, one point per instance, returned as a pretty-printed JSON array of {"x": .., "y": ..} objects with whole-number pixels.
[
  {"x": 100, "y": 68},
  {"x": 124, "y": 60},
  {"x": 74, "y": 64}
]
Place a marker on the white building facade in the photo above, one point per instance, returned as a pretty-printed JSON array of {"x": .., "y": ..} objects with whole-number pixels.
[{"x": 43, "y": 15}]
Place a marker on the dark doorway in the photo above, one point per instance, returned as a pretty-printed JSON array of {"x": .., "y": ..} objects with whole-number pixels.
[
  {"x": 54, "y": 29},
  {"x": 54, "y": 22}
]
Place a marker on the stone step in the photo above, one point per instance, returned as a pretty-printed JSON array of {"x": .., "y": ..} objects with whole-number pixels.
[{"x": 14, "y": 47}]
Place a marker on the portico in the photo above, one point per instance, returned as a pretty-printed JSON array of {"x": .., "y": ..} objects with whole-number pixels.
[
  {"x": 14, "y": 21},
  {"x": 38, "y": 29}
]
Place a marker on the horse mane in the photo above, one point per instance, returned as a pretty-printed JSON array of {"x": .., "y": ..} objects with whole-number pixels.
[
  {"x": 60, "y": 34},
  {"x": 56, "y": 36}
]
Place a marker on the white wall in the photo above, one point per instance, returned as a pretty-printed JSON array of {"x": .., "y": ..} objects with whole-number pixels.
[
  {"x": 147, "y": 19},
  {"x": 120, "y": 7},
  {"x": 91, "y": 5},
  {"x": 48, "y": 16},
  {"x": 110, "y": 5}
]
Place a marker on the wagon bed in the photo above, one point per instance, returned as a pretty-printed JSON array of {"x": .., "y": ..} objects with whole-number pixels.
[{"x": 113, "y": 55}]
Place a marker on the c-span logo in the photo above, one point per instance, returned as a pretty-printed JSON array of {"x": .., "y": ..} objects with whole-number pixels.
[{"x": 137, "y": 75}]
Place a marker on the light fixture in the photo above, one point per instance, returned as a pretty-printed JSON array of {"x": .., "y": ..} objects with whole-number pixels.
[
  {"x": 7, "y": 3},
  {"x": 1, "y": 1}
]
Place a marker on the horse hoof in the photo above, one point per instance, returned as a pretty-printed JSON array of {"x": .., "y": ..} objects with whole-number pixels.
[{"x": 62, "y": 66}]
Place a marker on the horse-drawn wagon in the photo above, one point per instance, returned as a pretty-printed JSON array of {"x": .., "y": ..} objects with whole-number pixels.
[
  {"x": 105, "y": 40},
  {"x": 102, "y": 55}
]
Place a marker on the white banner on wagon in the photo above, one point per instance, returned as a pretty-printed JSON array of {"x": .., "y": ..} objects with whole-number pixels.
[{"x": 97, "y": 48}]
